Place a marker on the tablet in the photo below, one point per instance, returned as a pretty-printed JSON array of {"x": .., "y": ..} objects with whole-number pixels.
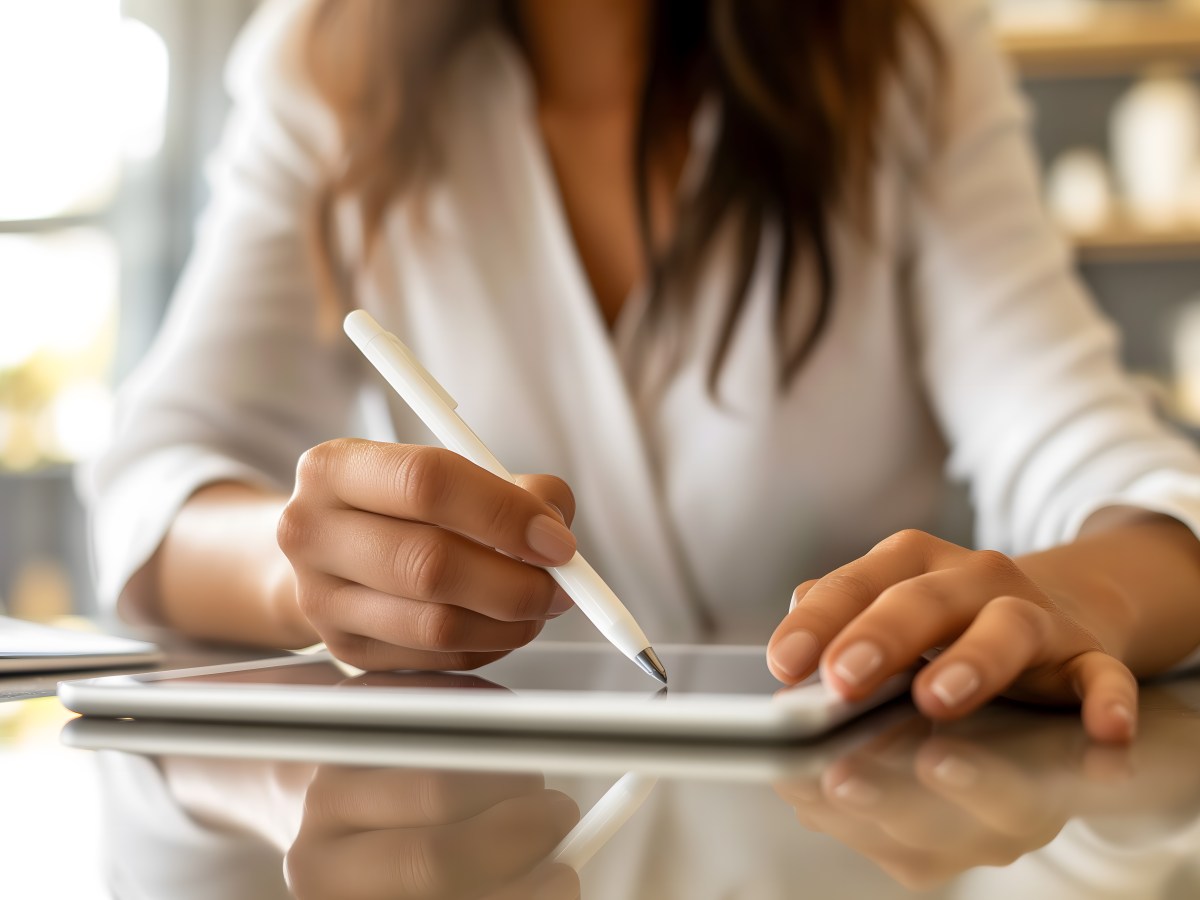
[
  {"x": 716, "y": 693},
  {"x": 34, "y": 647}
]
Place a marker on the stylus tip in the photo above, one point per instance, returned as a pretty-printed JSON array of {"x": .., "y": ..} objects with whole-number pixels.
[{"x": 650, "y": 664}]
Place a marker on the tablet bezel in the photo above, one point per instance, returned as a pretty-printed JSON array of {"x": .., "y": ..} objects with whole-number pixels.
[{"x": 792, "y": 715}]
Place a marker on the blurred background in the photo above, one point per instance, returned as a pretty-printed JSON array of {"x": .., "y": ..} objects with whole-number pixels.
[{"x": 108, "y": 109}]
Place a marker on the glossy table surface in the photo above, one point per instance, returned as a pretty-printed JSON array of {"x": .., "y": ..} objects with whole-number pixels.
[{"x": 1013, "y": 802}]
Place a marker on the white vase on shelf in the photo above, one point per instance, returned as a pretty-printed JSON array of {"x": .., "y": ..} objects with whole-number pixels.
[
  {"x": 1155, "y": 134},
  {"x": 1079, "y": 190}
]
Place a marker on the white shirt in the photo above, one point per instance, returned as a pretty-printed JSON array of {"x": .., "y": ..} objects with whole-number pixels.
[{"x": 960, "y": 342}]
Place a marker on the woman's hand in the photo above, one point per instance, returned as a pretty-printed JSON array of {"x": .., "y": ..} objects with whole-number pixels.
[
  {"x": 1002, "y": 632},
  {"x": 412, "y": 557},
  {"x": 396, "y": 833}
]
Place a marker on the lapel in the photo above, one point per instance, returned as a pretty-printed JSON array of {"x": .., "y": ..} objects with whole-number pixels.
[
  {"x": 534, "y": 274},
  {"x": 485, "y": 284}
]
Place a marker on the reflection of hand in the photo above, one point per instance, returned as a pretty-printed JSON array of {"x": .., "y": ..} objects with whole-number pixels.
[
  {"x": 927, "y": 804},
  {"x": 926, "y": 808},
  {"x": 396, "y": 833},
  {"x": 437, "y": 680},
  {"x": 408, "y": 557}
]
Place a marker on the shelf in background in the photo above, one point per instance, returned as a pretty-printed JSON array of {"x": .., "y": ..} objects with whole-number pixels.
[
  {"x": 1117, "y": 38},
  {"x": 1125, "y": 242}
]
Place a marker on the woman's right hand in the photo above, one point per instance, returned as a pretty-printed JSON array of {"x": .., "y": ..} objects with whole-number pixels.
[
  {"x": 412, "y": 557},
  {"x": 409, "y": 833}
]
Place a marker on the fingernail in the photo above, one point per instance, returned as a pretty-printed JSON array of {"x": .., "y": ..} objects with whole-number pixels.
[
  {"x": 796, "y": 653},
  {"x": 955, "y": 683},
  {"x": 550, "y": 538},
  {"x": 561, "y": 603},
  {"x": 1125, "y": 714},
  {"x": 557, "y": 511},
  {"x": 955, "y": 772},
  {"x": 795, "y": 600},
  {"x": 858, "y": 662},
  {"x": 855, "y": 790}
]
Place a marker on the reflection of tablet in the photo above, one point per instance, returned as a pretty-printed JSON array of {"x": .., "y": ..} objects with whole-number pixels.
[
  {"x": 720, "y": 693},
  {"x": 443, "y": 751}
]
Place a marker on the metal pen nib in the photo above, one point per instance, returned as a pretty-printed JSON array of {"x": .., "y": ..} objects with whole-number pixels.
[{"x": 649, "y": 663}]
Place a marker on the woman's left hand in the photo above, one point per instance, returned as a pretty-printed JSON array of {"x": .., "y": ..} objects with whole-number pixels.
[{"x": 1000, "y": 632}]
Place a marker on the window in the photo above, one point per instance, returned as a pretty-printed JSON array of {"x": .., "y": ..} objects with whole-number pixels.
[{"x": 107, "y": 109}]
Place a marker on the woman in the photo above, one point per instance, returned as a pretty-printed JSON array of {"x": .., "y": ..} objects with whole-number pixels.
[{"x": 747, "y": 276}]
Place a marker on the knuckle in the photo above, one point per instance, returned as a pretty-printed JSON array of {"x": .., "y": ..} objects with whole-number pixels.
[
  {"x": 907, "y": 540},
  {"x": 821, "y": 620},
  {"x": 316, "y": 462},
  {"x": 422, "y": 480},
  {"x": 502, "y": 513},
  {"x": 425, "y": 566},
  {"x": 347, "y": 647},
  {"x": 995, "y": 563},
  {"x": 921, "y": 597},
  {"x": 433, "y": 795},
  {"x": 1020, "y": 614},
  {"x": 312, "y": 465},
  {"x": 526, "y": 633},
  {"x": 439, "y": 627},
  {"x": 316, "y": 605},
  {"x": 295, "y": 529},
  {"x": 847, "y": 584},
  {"x": 531, "y": 599},
  {"x": 421, "y": 865}
]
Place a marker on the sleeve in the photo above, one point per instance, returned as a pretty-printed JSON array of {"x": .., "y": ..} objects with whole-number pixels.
[
  {"x": 240, "y": 381},
  {"x": 1022, "y": 370}
]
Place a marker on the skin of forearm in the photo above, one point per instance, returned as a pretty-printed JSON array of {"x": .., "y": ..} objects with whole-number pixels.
[
  {"x": 1135, "y": 584},
  {"x": 220, "y": 575}
]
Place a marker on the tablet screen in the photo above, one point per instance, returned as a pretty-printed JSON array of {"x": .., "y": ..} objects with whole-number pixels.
[{"x": 548, "y": 667}]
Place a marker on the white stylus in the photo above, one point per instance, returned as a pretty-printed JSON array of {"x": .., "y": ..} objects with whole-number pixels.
[
  {"x": 603, "y": 820},
  {"x": 430, "y": 401}
]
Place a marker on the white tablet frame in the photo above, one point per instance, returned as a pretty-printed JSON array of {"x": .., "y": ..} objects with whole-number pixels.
[{"x": 803, "y": 712}]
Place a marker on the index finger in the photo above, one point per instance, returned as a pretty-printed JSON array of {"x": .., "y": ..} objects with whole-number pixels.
[
  {"x": 439, "y": 487},
  {"x": 832, "y": 602}
]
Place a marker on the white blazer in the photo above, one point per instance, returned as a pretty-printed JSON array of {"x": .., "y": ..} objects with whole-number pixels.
[{"x": 960, "y": 343}]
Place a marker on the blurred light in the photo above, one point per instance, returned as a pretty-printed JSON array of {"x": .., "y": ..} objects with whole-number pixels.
[
  {"x": 81, "y": 420},
  {"x": 144, "y": 73},
  {"x": 78, "y": 88},
  {"x": 61, "y": 149},
  {"x": 58, "y": 303},
  {"x": 58, "y": 291}
]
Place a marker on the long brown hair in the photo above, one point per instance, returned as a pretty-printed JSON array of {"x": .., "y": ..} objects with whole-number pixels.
[{"x": 801, "y": 86}]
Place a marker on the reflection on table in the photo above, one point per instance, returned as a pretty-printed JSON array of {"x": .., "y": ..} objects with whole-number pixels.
[{"x": 1011, "y": 802}]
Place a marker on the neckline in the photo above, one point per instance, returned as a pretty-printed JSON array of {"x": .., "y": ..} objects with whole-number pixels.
[{"x": 702, "y": 131}]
